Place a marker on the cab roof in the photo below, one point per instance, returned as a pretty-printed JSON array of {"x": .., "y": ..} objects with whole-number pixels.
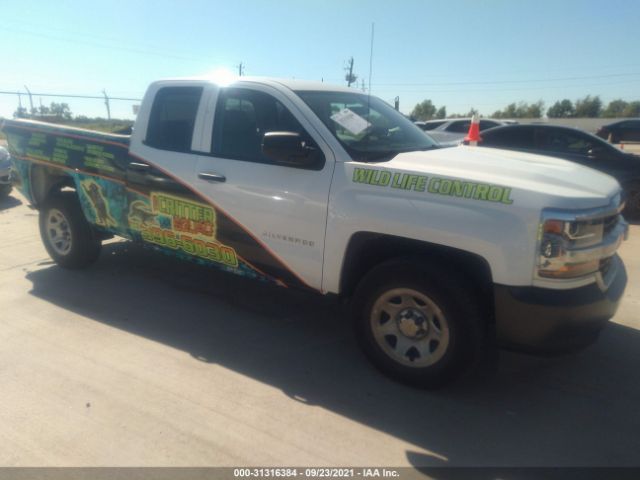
[{"x": 292, "y": 84}]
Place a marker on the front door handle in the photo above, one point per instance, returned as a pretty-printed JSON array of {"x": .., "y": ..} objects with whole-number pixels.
[{"x": 212, "y": 177}]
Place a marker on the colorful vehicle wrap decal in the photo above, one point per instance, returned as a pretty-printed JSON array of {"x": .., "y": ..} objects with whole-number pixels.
[
  {"x": 176, "y": 219},
  {"x": 434, "y": 185}
]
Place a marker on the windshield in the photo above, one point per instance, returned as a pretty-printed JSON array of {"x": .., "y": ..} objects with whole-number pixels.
[{"x": 368, "y": 128}]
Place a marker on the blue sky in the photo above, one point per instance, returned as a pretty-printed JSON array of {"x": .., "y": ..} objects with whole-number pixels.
[{"x": 458, "y": 53}]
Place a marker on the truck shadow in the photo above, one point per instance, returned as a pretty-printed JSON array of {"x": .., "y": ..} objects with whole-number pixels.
[
  {"x": 9, "y": 202},
  {"x": 574, "y": 410}
]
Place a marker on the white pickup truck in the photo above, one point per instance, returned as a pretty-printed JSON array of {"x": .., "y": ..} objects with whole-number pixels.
[{"x": 441, "y": 251}]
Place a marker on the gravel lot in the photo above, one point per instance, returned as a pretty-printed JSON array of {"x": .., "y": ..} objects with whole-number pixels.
[{"x": 139, "y": 361}]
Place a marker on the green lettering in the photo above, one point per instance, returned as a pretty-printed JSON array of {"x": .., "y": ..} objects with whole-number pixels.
[
  {"x": 506, "y": 196},
  {"x": 411, "y": 181},
  {"x": 433, "y": 185},
  {"x": 481, "y": 192},
  {"x": 458, "y": 188},
  {"x": 495, "y": 193},
  {"x": 445, "y": 187},
  {"x": 361, "y": 175},
  {"x": 384, "y": 178},
  {"x": 421, "y": 184}
]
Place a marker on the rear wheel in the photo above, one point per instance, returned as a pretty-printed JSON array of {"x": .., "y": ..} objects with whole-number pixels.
[
  {"x": 5, "y": 190},
  {"x": 66, "y": 234},
  {"x": 417, "y": 323}
]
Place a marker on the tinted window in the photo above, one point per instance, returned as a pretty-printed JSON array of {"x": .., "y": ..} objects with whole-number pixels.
[
  {"x": 243, "y": 117},
  {"x": 485, "y": 124},
  {"x": 461, "y": 126},
  {"x": 507, "y": 137},
  {"x": 563, "y": 141},
  {"x": 432, "y": 125},
  {"x": 172, "y": 118}
]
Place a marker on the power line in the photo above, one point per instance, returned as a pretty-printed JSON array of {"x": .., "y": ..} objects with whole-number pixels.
[
  {"x": 501, "y": 89},
  {"x": 100, "y": 45},
  {"x": 502, "y": 82},
  {"x": 71, "y": 95}
]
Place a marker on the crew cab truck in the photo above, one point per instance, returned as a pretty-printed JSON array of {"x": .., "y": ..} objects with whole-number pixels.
[{"x": 299, "y": 184}]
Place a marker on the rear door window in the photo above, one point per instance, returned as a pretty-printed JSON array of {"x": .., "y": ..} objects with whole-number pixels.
[
  {"x": 172, "y": 118},
  {"x": 460, "y": 126}
]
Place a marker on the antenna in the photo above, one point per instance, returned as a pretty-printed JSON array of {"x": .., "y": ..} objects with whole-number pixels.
[
  {"x": 371, "y": 56},
  {"x": 370, "y": 70}
]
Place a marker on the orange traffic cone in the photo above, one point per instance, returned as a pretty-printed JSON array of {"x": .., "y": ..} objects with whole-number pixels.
[{"x": 473, "y": 137}]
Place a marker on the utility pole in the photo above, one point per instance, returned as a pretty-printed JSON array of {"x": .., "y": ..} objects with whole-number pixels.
[
  {"x": 350, "y": 77},
  {"x": 240, "y": 69},
  {"x": 30, "y": 99},
  {"x": 364, "y": 88},
  {"x": 106, "y": 102},
  {"x": 396, "y": 102}
]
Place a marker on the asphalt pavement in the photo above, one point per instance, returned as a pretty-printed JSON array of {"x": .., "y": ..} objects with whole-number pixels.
[{"x": 143, "y": 361}]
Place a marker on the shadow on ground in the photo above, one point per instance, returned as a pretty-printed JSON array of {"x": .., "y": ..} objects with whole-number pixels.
[
  {"x": 580, "y": 409},
  {"x": 9, "y": 202}
]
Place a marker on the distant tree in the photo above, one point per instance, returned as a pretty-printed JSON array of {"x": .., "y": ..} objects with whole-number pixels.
[
  {"x": 43, "y": 110},
  {"x": 561, "y": 109},
  {"x": 60, "y": 110},
  {"x": 424, "y": 110},
  {"x": 510, "y": 111},
  {"x": 615, "y": 108},
  {"x": 442, "y": 112},
  {"x": 471, "y": 112},
  {"x": 535, "y": 109},
  {"x": 20, "y": 112},
  {"x": 589, "y": 107},
  {"x": 632, "y": 110}
]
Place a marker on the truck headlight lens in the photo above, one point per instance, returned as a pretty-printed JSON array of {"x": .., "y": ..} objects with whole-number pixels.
[{"x": 565, "y": 248}]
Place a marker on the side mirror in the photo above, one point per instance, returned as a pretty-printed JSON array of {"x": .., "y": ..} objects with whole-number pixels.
[{"x": 287, "y": 148}]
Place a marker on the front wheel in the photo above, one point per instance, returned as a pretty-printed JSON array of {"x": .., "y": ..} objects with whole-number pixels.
[
  {"x": 5, "y": 190},
  {"x": 66, "y": 233},
  {"x": 417, "y": 323}
]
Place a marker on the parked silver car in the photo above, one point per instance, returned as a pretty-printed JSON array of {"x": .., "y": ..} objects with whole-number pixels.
[
  {"x": 452, "y": 131},
  {"x": 5, "y": 169}
]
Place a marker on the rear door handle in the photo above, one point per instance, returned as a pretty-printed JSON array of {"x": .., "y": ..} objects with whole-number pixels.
[
  {"x": 139, "y": 167},
  {"x": 212, "y": 177}
]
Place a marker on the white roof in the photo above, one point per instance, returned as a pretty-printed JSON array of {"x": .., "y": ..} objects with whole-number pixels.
[{"x": 292, "y": 84}]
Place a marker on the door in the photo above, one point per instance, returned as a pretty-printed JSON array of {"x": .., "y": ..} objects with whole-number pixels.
[
  {"x": 162, "y": 207},
  {"x": 274, "y": 215}
]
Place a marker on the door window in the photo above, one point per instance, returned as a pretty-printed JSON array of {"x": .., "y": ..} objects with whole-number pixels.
[
  {"x": 242, "y": 118},
  {"x": 172, "y": 118},
  {"x": 567, "y": 142}
]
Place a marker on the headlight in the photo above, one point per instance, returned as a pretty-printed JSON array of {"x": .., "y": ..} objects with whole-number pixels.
[{"x": 577, "y": 244}]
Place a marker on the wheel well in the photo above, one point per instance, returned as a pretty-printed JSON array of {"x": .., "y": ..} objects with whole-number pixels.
[
  {"x": 46, "y": 181},
  {"x": 367, "y": 249}
]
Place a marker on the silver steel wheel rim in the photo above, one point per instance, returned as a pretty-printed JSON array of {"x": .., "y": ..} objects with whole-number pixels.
[
  {"x": 58, "y": 232},
  {"x": 409, "y": 327}
]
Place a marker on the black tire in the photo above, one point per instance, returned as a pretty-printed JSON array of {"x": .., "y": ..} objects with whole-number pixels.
[
  {"x": 66, "y": 233},
  {"x": 5, "y": 190},
  {"x": 631, "y": 197},
  {"x": 429, "y": 361}
]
